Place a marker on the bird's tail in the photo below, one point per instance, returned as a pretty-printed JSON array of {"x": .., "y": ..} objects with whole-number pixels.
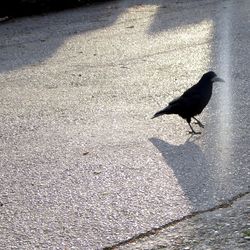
[{"x": 164, "y": 111}]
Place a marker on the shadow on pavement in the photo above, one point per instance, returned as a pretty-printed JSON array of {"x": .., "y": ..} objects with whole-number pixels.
[
  {"x": 31, "y": 41},
  {"x": 190, "y": 167},
  {"x": 17, "y": 8}
]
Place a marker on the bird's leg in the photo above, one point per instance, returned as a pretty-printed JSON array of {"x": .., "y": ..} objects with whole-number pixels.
[
  {"x": 193, "y": 132},
  {"x": 198, "y": 122}
]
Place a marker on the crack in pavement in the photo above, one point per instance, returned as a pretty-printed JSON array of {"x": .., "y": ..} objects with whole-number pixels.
[{"x": 154, "y": 231}]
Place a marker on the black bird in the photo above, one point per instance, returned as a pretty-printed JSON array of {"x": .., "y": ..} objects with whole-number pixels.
[{"x": 193, "y": 100}]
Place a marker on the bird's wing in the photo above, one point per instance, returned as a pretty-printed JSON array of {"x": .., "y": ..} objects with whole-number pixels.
[
  {"x": 186, "y": 103},
  {"x": 174, "y": 101},
  {"x": 189, "y": 93},
  {"x": 193, "y": 91}
]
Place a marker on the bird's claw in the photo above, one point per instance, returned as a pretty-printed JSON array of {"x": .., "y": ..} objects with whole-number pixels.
[{"x": 194, "y": 133}]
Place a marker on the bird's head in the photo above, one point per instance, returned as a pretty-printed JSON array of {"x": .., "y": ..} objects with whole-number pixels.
[{"x": 211, "y": 77}]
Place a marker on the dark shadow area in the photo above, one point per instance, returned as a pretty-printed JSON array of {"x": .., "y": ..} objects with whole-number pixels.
[
  {"x": 191, "y": 168},
  {"x": 18, "y": 8},
  {"x": 32, "y": 41}
]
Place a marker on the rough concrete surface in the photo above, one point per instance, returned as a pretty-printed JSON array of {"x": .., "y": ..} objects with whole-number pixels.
[{"x": 82, "y": 164}]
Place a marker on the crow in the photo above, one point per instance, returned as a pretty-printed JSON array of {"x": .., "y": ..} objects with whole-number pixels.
[{"x": 192, "y": 101}]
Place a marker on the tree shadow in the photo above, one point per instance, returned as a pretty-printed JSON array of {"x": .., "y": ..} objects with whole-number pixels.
[
  {"x": 191, "y": 168},
  {"x": 165, "y": 16},
  {"x": 31, "y": 41}
]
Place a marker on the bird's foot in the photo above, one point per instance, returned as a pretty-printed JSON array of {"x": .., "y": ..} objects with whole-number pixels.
[
  {"x": 200, "y": 124},
  {"x": 194, "y": 132}
]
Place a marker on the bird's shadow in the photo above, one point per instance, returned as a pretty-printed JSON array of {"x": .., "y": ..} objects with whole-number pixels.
[{"x": 191, "y": 168}]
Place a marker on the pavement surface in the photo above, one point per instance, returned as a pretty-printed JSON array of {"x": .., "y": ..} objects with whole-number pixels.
[
  {"x": 82, "y": 165},
  {"x": 225, "y": 227}
]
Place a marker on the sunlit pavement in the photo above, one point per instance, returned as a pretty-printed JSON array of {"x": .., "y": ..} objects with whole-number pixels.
[{"x": 82, "y": 164}]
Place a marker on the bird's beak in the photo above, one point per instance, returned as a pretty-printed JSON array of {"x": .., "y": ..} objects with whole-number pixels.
[{"x": 217, "y": 79}]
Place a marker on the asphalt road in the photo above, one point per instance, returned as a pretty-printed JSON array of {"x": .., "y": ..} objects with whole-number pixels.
[{"x": 82, "y": 164}]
